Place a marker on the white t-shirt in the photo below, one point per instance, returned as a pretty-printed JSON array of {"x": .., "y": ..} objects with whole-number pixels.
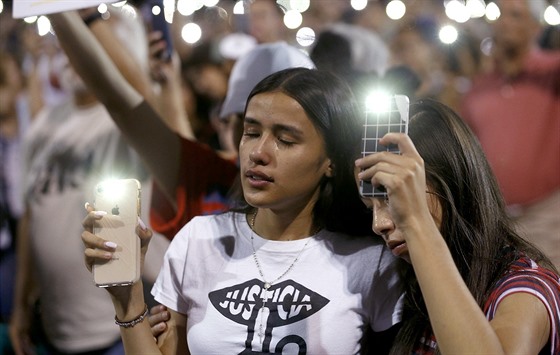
[{"x": 338, "y": 286}]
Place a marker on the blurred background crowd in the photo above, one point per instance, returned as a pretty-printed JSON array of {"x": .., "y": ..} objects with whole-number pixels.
[{"x": 423, "y": 48}]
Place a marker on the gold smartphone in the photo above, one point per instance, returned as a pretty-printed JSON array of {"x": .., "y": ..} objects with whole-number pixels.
[{"x": 121, "y": 200}]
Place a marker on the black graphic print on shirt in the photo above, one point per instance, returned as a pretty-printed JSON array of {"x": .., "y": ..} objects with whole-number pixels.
[{"x": 287, "y": 302}]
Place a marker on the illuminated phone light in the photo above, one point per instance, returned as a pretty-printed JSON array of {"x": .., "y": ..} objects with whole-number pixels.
[
  {"x": 112, "y": 188},
  {"x": 378, "y": 102}
]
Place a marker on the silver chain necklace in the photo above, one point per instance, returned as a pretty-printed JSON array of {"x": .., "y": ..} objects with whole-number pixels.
[{"x": 268, "y": 284}]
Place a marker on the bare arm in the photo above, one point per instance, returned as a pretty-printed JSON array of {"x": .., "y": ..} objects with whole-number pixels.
[
  {"x": 169, "y": 100},
  {"x": 25, "y": 292},
  {"x": 158, "y": 145}
]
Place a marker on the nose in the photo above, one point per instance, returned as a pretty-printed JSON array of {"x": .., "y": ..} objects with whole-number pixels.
[
  {"x": 382, "y": 221},
  {"x": 260, "y": 152}
]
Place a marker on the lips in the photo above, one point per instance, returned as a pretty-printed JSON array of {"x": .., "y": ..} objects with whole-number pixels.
[
  {"x": 258, "y": 179},
  {"x": 398, "y": 247}
]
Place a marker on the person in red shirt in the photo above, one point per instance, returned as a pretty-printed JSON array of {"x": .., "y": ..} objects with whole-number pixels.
[{"x": 515, "y": 112}]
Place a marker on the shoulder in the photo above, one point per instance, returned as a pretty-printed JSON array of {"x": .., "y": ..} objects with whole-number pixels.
[
  {"x": 526, "y": 276},
  {"x": 368, "y": 250},
  {"x": 209, "y": 227}
]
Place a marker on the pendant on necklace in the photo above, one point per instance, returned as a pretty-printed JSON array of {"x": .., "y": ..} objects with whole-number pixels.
[{"x": 266, "y": 285}]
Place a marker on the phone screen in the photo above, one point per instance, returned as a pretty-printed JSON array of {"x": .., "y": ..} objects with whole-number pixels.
[
  {"x": 154, "y": 15},
  {"x": 387, "y": 114}
]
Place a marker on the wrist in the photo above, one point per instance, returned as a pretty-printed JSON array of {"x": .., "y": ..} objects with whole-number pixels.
[
  {"x": 132, "y": 322},
  {"x": 92, "y": 17},
  {"x": 128, "y": 301}
]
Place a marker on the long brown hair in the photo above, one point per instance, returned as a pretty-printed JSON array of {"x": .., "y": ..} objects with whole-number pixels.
[{"x": 475, "y": 225}]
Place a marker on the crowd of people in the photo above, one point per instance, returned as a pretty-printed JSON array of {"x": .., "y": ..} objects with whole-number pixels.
[{"x": 254, "y": 235}]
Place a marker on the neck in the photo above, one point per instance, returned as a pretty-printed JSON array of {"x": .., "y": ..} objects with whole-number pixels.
[{"x": 272, "y": 226}]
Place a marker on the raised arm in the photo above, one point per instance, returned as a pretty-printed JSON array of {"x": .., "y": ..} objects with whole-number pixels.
[{"x": 158, "y": 146}]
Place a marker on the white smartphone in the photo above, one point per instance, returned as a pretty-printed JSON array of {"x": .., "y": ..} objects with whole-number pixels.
[
  {"x": 384, "y": 114},
  {"x": 121, "y": 200}
]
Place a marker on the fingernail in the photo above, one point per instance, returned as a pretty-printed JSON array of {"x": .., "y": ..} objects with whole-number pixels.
[
  {"x": 86, "y": 206},
  {"x": 110, "y": 245},
  {"x": 99, "y": 213},
  {"x": 108, "y": 256},
  {"x": 142, "y": 224}
]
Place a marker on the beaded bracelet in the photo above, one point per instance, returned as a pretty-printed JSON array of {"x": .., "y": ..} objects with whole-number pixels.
[{"x": 133, "y": 322}]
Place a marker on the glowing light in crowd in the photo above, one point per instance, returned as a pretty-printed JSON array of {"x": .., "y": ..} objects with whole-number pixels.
[
  {"x": 448, "y": 34},
  {"x": 395, "y": 9},
  {"x": 457, "y": 11},
  {"x": 551, "y": 16},
  {"x": 239, "y": 8},
  {"x": 119, "y": 4},
  {"x": 476, "y": 8},
  {"x": 300, "y": 5},
  {"x": 1, "y": 7},
  {"x": 210, "y": 3},
  {"x": 492, "y": 12},
  {"x": 43, "y": 25},
  {"x": 102, "y": 8},
  {"x": 156, "y": 10},
  {"x": 293, "y": 19},
  {"x": 358, "y": 5},
  {"x": 191, "y": 33},
  {"x": 305, "y": 36},
  {"x": 30, "y": 19},
  {"x": 188, "y": 7}
]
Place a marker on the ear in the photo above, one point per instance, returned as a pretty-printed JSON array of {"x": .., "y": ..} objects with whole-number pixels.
[{"x": 330, "y": 170}]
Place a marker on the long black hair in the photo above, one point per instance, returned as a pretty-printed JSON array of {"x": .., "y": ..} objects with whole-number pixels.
[
  {"x": 475, "y": 225},
  {"x": 330, "y": 105}
]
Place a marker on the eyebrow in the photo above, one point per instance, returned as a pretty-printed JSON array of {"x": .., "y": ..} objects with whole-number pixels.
[{"x": 278, "y": 127}]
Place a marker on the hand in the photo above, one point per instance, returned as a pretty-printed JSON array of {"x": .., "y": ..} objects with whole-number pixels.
[
  {"x": 19, "y": 330},
  {"x": 98, "y": 248},
  {"x": 402, "y": 175},
  {"x": 159, "y": 315},
  {"x": 161, "y": 70}
]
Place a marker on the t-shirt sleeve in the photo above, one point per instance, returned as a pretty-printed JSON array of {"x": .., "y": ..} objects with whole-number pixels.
[
  {"x": 204, "y": 182},
  {"x": 167, "y": 289},
  {"x": 538, "y": 282}
]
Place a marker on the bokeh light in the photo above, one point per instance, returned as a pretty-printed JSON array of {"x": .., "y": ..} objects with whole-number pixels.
[
  {"x": 305, "y": 36},
  {"x": 191, "y": 33},
  {"x": 448, "y": 34},
  {"x": 293, "y": 19},
  {"x": 395, "y": 9}
]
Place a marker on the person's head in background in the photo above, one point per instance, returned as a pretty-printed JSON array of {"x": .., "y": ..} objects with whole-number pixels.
[
  {"x": 466, "y": 204},
  {"x": 302, "y": 128},
  {"x": 518, "y": 27},
  {"x": 361, "y": 57},
  {"x": 266, "y": 21},
  {"x": 248, "y": 70}
]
